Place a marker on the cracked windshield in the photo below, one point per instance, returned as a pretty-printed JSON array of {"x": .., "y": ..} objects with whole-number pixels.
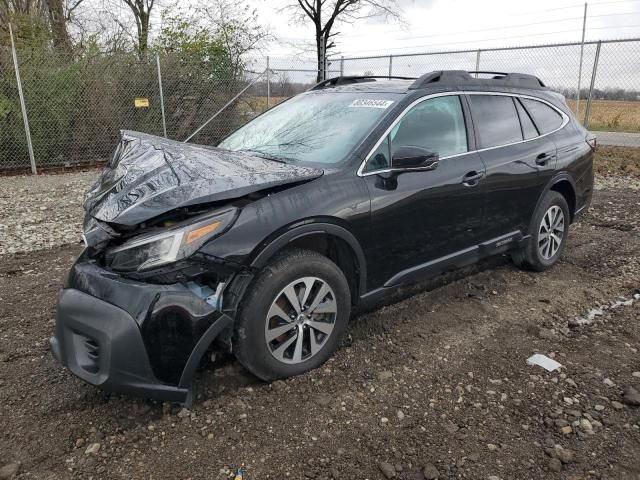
[{"x": 312, "y": 128}]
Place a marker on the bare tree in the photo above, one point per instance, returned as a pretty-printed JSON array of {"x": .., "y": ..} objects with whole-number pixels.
[
  {"x": 237, "y": 24},
  {"x": 141, "y": 10},
  {"x": 325, "y": 14},
  {"x": 284, "y": 84},
  {"x": 25, "y": 7},
  {"x": 58, "y": 24},
  {"x": 10, "y": 9},
  {"x": 53, "y": 16}
]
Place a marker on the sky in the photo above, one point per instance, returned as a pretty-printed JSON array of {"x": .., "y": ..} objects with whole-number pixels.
[{"x": 441, "y": 25}]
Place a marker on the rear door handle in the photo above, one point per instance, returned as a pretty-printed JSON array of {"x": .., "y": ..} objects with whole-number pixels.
[
  {"x": 471, "y": 178},
  {"x": 544, "y": 158}
]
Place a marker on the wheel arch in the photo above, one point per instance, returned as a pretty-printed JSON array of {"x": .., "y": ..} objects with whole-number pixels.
[
  {"x": 564, "y": 184},
  {"x": 334, "y": 241}
]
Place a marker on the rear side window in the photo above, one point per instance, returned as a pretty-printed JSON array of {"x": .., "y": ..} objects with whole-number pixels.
[
  {"x": 528, "y": 128},
  {"x": 495, "y": 119},
  {"x": 546, "y": 118}
]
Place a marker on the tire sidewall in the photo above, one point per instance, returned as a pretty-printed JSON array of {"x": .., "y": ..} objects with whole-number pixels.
[{"x": 249, "y": 337}]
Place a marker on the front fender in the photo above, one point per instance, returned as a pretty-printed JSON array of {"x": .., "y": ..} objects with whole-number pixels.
[{"x": 281, "y": 239}]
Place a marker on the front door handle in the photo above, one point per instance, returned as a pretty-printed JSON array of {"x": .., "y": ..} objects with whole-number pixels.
[
  {"x": 544, "y": 158},
  {"x": 471, "y": 178}
]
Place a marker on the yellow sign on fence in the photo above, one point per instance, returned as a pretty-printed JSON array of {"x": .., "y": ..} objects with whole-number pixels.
[{"x": 141, "y": 102}]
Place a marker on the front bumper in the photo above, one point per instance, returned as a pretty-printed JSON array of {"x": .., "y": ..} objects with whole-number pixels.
[{"x": 133, "y": 337}]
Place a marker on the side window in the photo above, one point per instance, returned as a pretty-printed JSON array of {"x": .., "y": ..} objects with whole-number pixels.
[
  {"x": 545, "y": 117},
  {"x": 437, "y": 124},
  {"x": 495, "y": 119},
  {"x": 380, "y": 158},
  {"x": 528, "y": 128}
]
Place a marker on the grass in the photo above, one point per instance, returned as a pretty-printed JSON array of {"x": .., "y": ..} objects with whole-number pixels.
[
  {"x": 610, "y": 115},
  {"x": 254, "y": 105},
  {"x": 620, "y": 161}
]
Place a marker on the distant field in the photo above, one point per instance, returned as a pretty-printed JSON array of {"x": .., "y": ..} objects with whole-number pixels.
[
  {"x": 606, "y": 115},
  {"x": 611, "y": 115}
]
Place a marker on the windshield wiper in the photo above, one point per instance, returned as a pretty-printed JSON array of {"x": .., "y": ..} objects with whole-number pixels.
[{"x": 268, "y": 156}]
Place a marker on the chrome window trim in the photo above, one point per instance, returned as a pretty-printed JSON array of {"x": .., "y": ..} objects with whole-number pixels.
[{"x": 362, "y": 173}]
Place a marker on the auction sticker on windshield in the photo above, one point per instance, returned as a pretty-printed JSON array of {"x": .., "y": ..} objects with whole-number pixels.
[{"x": 370, "y": 103}]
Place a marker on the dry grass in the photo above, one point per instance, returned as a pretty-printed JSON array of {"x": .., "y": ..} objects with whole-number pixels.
[
  {"x": 610, "y": 115},
  {"x": 619, "y": 161},
  {"x": 255, "y": 105}
]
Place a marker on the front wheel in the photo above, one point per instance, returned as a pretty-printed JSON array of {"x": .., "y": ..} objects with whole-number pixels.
[
  {"x": 293, "y": 316},
  {"x": 548, "y": 230}
]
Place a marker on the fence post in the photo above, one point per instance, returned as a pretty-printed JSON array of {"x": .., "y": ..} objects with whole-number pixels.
[
  {"x": 390, "y": 65},
  {"x": 477, "y": 62},
  {"x": 269, "y": 84},
  {"x": 23, "y": 105},
  {"x": 587, "y": 111},
  {"x": 324, "y": 59},
  {"x": 164, "y": 119},
  {"x": 320, "y": 69},
  {"x": 342, "y": 66},
  {"x": 584, "y": 26}
]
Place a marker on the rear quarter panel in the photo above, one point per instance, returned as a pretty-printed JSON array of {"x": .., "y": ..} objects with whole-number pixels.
[{"x": 575, "y": 157}]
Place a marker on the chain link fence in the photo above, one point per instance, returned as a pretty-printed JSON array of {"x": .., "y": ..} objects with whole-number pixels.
[
  {"x": 76, "y": 107},
  {"x": 607, "y": 74}
]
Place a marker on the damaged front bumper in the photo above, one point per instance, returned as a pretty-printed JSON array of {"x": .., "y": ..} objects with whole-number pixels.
[{"x": 136, "y": 337}]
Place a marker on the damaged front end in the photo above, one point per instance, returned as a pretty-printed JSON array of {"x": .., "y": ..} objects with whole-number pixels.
[
  {"x": 143, "y": 303},
  {"x": 145, "y": 335}
]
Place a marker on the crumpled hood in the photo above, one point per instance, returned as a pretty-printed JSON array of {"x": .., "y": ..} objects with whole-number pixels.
[{"x": 150, "y": 175}]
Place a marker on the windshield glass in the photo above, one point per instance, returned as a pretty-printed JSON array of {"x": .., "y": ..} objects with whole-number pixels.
[{"x": 313, "y": 127}]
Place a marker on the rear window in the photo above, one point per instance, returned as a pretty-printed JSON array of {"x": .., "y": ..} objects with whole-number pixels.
[
  {"x": 495, "y": 119},
  {"x": 528, "y": 128},
  {"x": 546, "y": 118}
]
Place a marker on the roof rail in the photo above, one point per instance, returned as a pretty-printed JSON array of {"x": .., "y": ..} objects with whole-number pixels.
[
  {"x": 463, "y": 78},
  {"x": 351, "y": 79},
  {"x": 488, "y": 72}
]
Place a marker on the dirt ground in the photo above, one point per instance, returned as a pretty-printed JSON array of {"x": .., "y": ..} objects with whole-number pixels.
[{"x": 435, "y": 385}]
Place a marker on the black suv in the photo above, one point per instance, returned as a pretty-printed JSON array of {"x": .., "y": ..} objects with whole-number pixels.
[{"x": 264, "y": 243}]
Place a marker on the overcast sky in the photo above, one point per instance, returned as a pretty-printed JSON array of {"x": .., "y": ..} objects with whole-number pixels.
[{"x": 436, "y": 25}]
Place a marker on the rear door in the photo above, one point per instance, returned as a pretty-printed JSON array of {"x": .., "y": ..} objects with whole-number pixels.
[{"x": 519, "y": 161}]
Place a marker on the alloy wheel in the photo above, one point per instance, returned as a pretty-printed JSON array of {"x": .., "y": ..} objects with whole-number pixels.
[
  {"x": 551, "y": 232},
  {"x": 300, "y": 320}
]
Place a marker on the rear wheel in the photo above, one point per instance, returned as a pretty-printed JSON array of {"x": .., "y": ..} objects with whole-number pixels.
[
  {"x": 548, "y": 230},
  {"x": 293, "y": 316}
]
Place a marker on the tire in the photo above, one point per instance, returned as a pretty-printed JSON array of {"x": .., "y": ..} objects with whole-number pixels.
[
  {"x": 541, "y": 251},
  {"x": 268, "y": 345}
]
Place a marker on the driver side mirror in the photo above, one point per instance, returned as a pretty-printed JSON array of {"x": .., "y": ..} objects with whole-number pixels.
[{"x": 414, "y": 158}]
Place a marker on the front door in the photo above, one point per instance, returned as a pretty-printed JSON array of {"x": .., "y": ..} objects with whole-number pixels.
[{"x": 422, "y": 216}]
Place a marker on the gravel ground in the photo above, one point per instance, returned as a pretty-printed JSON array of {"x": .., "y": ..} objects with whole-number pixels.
[
  {"x": 613, "y": 182},
  {"x": 44, "y": 211},
  {"x": 435, "y": 385}
]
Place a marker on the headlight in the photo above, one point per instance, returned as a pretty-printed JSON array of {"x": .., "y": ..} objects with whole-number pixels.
[{"x": 180, "y": 241}]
